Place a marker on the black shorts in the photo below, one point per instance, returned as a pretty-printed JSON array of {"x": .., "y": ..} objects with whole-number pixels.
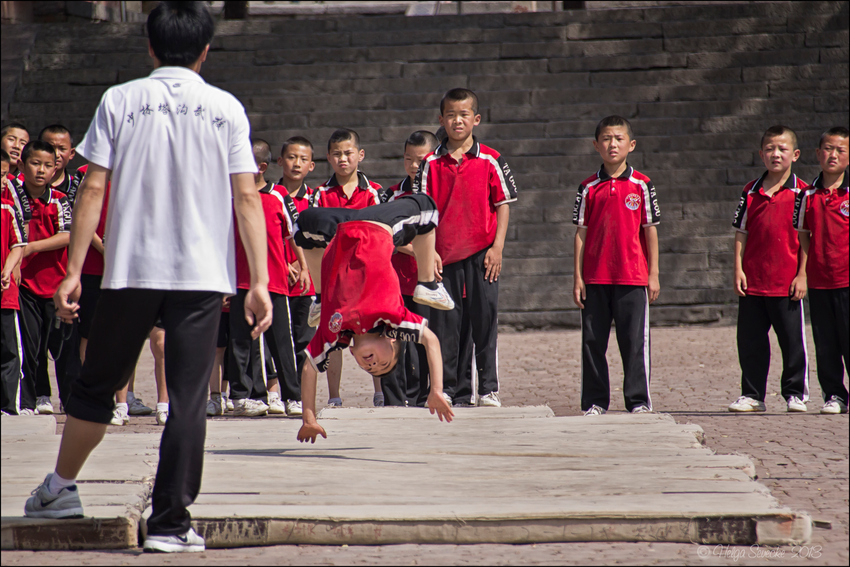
[
  {"x": 406, "y": 217},
  {"x": 88, "y": 302}
]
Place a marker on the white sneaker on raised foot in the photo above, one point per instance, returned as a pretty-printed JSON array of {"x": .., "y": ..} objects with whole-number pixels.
[
  {"x": 378, "y": 400},
  {"x": 139, "y": 408},
  {"x": 190, "y": 542},
  {"x": 119, "y": 417},
  {"x": 275, "y": 405},
  {"x": 293, "y": 408},
  {"x": 796, "y": 404},
  {"x": 249, "y": 408},
  {"x": 214, "y": 406},
  {"x": 315, "y": 314},
  {"x": 641, "y": 409},
  {"x": 745, "y": 403},
  {"x": 437, "y": 298},
  {"x": 44, "y": 504},
  {"x": 43, "y": 405},
  {"x": 596, "y": 410},
  {"x": 161, "y": 417},
  {"x": 834, "y": 405},
  {"x": 491, "y": 400}
]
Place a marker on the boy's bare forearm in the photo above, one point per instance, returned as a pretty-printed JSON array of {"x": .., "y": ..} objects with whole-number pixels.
[
  {"x": 503, "y": 216},
  {"x": 803, "y": 253},
  {"x": 651, "y": 235},
  {"x": 435, "y": 359},
  {"x": 87, "y": 209},
  {"x": 308, "y": 393},
  {"x": 740, "y": 246},
  {"x": 16, "y": 254},
  {"x": 252, "y": 226},
  {"x": 55, "y": 242},
  {"x": 579, "y": 253}
]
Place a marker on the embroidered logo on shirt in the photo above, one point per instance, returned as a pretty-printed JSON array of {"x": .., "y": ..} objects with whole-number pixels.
[
  {"x": 335, "y": 324},
  {"x": 633, "y": 202},
  {"x": 182, "y": 109},
  {"x": 845, "y": 208},
  {"x": 218, "y": 122}
]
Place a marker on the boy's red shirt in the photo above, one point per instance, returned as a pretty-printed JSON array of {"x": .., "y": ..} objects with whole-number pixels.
[
  {"x": 93, "y": 264},
  {"x": 13, "y": 235},
  {"x": 360, "y": 292},
  {"x": 404, "y": 264},
  {"x": 466, "y": 195},
  {"x": 770, "y": 255},
  {"x": 45, "y": 216},
  {"x": 279, "y": 211},
  {"x": 615, "y": 211},
  {"x": 331, "y": 194},
  {"x": 826, "y": 216}
]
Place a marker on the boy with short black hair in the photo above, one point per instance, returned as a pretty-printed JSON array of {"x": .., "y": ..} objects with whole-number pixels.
[
  {"x": 348, "y": 188},
  {"x": 14, "y": 240},
  {"x": 770, "y": 277},
  {"x": 616, "y": 269},
  {"x": 60, "y": 138},
  {"x": 13, "y": 137},
  {"x": 822, "y": 218},
  {"x": 47, "y": 215},
  {"x": 349, "y": 253},
  {"x": 472, "y": 186}
]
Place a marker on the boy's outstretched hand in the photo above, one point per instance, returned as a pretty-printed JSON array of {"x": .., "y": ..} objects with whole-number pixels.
[
  {"x": 310, "y": 431},
  {"x": 438, "y": 404}
]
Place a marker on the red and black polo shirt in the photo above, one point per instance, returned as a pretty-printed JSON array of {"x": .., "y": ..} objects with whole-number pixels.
[
  {"x": 71, "y": 184},
  {"x": 615, "y": 211},
  {"x": 467, "y": 195},
  {"x": 280, "y": 214},
  {"x": 404, "y": 264},
  {"x": 45, "y": 216},
  {"x": 331, "y": 194},
  {"x": 93, "y": 264},
  {"x": 360, "y": 292},
  {"x": 770, "y": 255},
  {"x": 826, "y": 216},
  {"x": 301, "y": 198},
  {"x": 12, "y": 236}
]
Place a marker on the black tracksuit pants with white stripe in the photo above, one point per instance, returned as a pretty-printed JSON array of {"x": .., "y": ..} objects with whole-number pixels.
[
  {"x": 831, "y": 332},
  {"x": 628, "y": 307},
  {"x": 10, "y": 361},
  {"x": 245, "y": 369},
  {"x": 278, "y": 337},
  {"x": 756, "y": 315},
  {"x": 481, "y": 305}
]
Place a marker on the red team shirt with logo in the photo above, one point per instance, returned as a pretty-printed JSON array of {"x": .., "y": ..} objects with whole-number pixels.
[
  {"x": 301, "y": 199},
  {"x": 615, "y": 211},
  {"x": 770, "y": 255},
  {"x": 331, "y": 194},
  {"x": 50, "y": 214},
  {"x": 13, "y": 235},
  {"x": 279, "y": 231},
  {"x": 404, "y": 264},
  {"x": 826, "y": 216},
  {"x": 466, "y": 195},
  {"x": 93, "y": 264},
  {"x": 360, "y": 292}
]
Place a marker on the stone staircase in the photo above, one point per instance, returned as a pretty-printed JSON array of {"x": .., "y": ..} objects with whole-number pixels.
[{"x": 699, "y": 83}]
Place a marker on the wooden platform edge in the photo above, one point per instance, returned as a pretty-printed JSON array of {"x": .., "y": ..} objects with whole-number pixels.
[{"x": 60, "y": 535}]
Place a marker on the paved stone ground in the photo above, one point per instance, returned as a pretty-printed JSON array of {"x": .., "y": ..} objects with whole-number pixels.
[{"x": 802, "y": 458}]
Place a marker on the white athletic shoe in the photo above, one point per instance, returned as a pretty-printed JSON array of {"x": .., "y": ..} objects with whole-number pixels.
[
  {"x": 276, "y": 406},
  {"x": 335, "y": 403},
  {"x": 795, "y": 404},
  {"x": 214, "y": 406},
  {"x": 43, "y": 405},
  {"x": 227, "y": 402},
  {"x": 139, "y": 408},
  {"x": 596, "y": 410},
  {"x": 491, "y": 400},
  {"x": 315, "y": 314},
  {"x": 641, "y": 409},
  {"x": 190, "y": 542},
  {"x": 161, "y": 417},
  {"x": 27, "y": 412},
  {"x": 119, "y": 416},
  {"x": 249, "y": 408},
  {"x": 378, "y": 400},
  {"x": 834, "y": 406},
  {"x": 43, "y": 504},
  {"x": 437, "y": 298},
  {"x": 745, "y": 403},
  {"x": 293, "y": 408}
]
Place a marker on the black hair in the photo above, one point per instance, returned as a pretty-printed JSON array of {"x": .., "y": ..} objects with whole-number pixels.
[
  {"x": 422, "y": 138},
  {"x": 779, "y": 130},
  {"x": 4, "y": 156},
  {"x": 55, "y": 129},
  {"x": 440, "y": 134},
  {"x": 37, "y": 146},
  {"x": 262, "y": 151},
  {"x": 839, "y": 131},
  {"x": 179, "y": 32},
  {"x": 458, "y": 95},
  {"x": 13, "y": 126},
  {"x": 296, "y": 141},
  {"x": 614, "y": 120},
  {"x": 343, "y": 135}
]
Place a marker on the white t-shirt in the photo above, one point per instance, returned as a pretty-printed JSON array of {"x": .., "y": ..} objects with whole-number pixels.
[{"x": 171, "y": 141}]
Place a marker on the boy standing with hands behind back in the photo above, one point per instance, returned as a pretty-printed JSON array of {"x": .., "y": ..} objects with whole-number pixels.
[{"x": 616, "y": 269}]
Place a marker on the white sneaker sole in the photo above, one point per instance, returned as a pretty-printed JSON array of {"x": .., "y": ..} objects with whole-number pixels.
[
  {"x": 164, "y": 547},
  {"x": 56, "y": 514},
  {"x": 433, "y": 303},
  {"x": 276, "y": 411}
]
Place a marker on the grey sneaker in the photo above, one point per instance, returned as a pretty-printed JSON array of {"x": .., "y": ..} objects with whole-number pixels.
[
  {"x": 315, "y": 314},
  {"x": 249, "y": 408},
  {"x": 335, "y": 403},
  {"x": 596, "y": 410},
  {"x": 43, "y": 405},
  {"x": 795, "y": 404},
  {"x": 745, "y": 403},
  {"x": 491, "y": 400},
  {"x": 834, "y": 406},
  {"x": 43, "y": 504},
  {"x": 214, "y": 406},
  {"x": 139, "y": 408},
  {"x": 436, "y": 298},
  {"x": 190, "y": 542},
  {"x": 641, "y": 409},
  {"x": 378, "y": 400}
]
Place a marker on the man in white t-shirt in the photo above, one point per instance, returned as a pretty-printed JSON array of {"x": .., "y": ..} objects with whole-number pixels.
[{"x": 179, "y": 154}]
